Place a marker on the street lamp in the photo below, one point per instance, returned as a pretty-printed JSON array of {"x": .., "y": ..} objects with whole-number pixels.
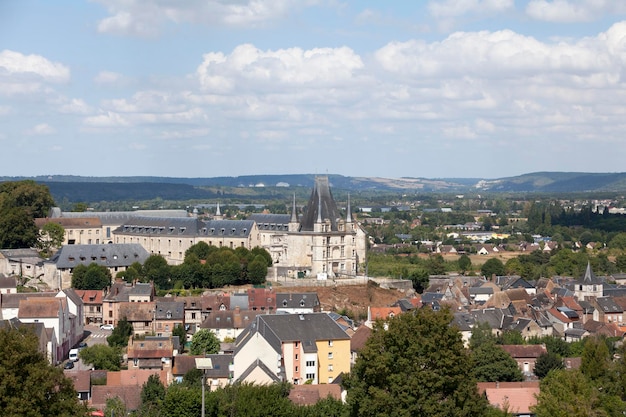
[{"x": 203, "y": 364}]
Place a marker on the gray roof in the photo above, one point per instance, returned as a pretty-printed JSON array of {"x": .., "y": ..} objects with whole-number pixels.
[
  {"x": 239, "y": 300},
  {"x": 26, "y": 256},
  {"x": 608, "y": 305},
  {"x": 174, "y": 308},
  {"x": 226, "y": 228},
  {"x": 117, "y": 217},
  {"x": 305, "y": 328},
  {"x": 589, "y": 277},
  {"x": 297, "y": 300},
  {"x": 278, "y": 222},
  {"x": 8, "y": 282},
  {"x": 108, "y": 255},
  {"x": 321, "y": 206},
  {"x": 169, "y": 226},
  {"x": 221, "y": 366},
  {"x": 141, "y": 288}
]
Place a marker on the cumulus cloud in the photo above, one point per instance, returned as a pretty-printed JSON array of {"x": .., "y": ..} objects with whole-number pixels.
[
  {"x": 455, "y": 8},
  {"x": 14, "y": 63},
  {"x": 41, "y": 129},
  {"x": 145, "y": 17},
  {"x": 570, "y": 11},
  {"x": 284, "y": 67},
  {"x": 108, "y": 78}
]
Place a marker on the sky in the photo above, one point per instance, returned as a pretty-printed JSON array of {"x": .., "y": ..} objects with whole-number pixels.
[{"x": 206, "y": 88}]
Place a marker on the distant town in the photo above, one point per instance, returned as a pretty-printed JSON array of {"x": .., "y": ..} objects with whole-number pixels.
[{"x": 294, "y": 295}]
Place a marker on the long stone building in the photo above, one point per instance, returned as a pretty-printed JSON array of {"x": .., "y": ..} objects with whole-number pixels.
[{"x": 319, "y": 242}]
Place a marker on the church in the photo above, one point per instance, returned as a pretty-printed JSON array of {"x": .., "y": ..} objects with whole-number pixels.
[{"x": 318, "y": 242}]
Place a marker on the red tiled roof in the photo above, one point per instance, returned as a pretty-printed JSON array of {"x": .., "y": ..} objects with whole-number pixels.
[
  {"x": 525, "y": 351},
  {"x": 130, "y": 395},
  {"x": 311, "y": 394},
  {"x": 515, "y": 397}
]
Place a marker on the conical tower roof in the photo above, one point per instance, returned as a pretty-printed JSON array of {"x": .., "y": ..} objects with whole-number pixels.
[
  {"x": 321, "y": 206},
  {"x": 590, "y": 277}
]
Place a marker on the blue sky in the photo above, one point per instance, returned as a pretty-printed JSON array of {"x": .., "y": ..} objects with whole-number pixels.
[{"x": 450, "y": 88}]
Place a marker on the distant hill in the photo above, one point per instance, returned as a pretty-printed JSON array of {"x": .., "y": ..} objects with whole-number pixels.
[{"x": 93, "y": 189}]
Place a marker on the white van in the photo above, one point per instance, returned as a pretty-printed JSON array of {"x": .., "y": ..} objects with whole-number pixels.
[{"x": 73, "y": 355}]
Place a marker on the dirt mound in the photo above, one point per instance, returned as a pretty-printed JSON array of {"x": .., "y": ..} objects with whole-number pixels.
[{"x": 351, "y": 300}]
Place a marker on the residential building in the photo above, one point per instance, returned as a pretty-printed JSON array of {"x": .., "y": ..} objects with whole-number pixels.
[
  {"x": 92, "y": 305},
  {"x": 78, "y": 230},
  {"x": 292, "y": 347}
]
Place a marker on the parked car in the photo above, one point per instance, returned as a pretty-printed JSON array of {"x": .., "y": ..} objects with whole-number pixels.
[
  {"x": 82, "y": 345},
  {"x": 106, "y": 327},
  {"x": 73, "y": 355},
  {"x": 68, "y": 365}
]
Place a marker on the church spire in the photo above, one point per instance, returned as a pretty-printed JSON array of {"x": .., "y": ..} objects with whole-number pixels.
[{"x": 294, "y": 215}]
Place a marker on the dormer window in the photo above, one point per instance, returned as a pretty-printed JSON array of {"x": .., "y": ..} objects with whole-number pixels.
[
  {"x": 284, "y": 303},
  {"x": 301, "y": 303},
  {"x": 168, "y": 314}
]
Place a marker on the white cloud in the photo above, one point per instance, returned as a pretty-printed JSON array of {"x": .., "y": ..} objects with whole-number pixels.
[
  {"x": 106, "y": 120},
  {"x": 319, "y": 67},
  {"x": 108, "y": 77},
  {"x": 15, "y": 63},
  {"x": 72, "y": 106},
  {"x": 41, "y": 129},
  {"x": 569, "y": 11},
  {"x": 144, "y": 17},
  {"x": 455, "y": 8}
]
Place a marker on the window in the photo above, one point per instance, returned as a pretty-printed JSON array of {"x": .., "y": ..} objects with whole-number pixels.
[
  {"x": 297, "y": 344},
  {"x": 296, "y": 369},
  {"x": 330, "y": 367},
  {"x": 330, "y": 355},
  {"x": 296, "y": 356},
  {"x": 330, "y": 343},
  {"x": 310, "y": 363},
  {"x": 310, "y": 376}
]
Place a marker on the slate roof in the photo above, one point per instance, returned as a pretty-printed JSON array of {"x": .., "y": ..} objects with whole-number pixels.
[
  {"x": 8, "y": 282},
  {"x": 220, "y": 362},
  {"x": 297, "y": 300},
  {"x": 175, "y": 309},
  {"x": 108, "y": 255},
  {"x": 272, "y": 222},
  {"x": 525, "y": 351},
  {"x": 26, "y": 256},
  {"x": 230, "y": 319},
  {"x": 258, "y": 364},
  {"x": 589, "y": 277},
  {"x": 305, "y": 328},
  {"x": 608, "y": 305},
  {"x": 226, "y": 228},
  {"x": 321, "y": 206}
]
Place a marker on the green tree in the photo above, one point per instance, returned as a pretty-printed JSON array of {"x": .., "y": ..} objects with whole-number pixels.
[
  {"x": 17, "y": 229},
  {"x": 156, "y": 269},
  {"x": 257, "y": 270},
  {"x": 465, "y": 263},
  {"x": 92, "y": 277},
  {"x": 620, "y": 262},
  {"x": 183, "y": 401},
  {"x": 120, "y": 334},
  {"x": 419, "y": 278},
  {"x": 481, "y": 334},
  {"x": 546, "y": 363},
  {"x": 418, "y": 366},
  {"x": 180, "y": 331},
  {"x": 493, "y": 266},
  {"x": 29, "y": 385},
  {"x": 51, "y": 237},
  {"x": 596, "y": 360},
  {"x": 102, "y": 357},
  {"x": 567, "y": 393},
  {"x": 115, "y": 407},
  {"x": 492, "y": 364},
  {"x": 204, "y": 342},
  {"x": 34, "y": 198},
  {"x": 152, "y": 395}
]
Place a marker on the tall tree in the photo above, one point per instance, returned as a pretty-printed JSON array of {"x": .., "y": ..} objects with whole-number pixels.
[
  {"x": 51, "y": 237},
  {"x": 102, "y": 357},
  {"x": 120, "y": 334},
  {"x": 29, "y": 385},
  {"x": 152, "y": 395},
  {"x": 17, "y": 229},
  {"x": 546, "y": 363},
  {"x": 92, "y": 277},
  {"x": 418, "y": 366},
  {"x": 204, "y": 341},
  {"x": 492, "y": 364},
  {"x": 493, "y": 266}
]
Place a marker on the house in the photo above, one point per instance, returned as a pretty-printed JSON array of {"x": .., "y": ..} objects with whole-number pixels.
[
  {"x": 25, "y": 263},
  {"x": 263, "y": 299},
  {"x": 357, "y": 342},
  {"x": 380, "y": 313},
  {"x": 150, "y": 353},
  {"x": 8, "y": 285},
  {"x": 229, "y": 323},
  {"x": 78, "y": 230},
  {"x": 168, "y": 315},
  {"x": 81, "y": 381},
  {"x": 116, "y": 258},
  {"x": 139, "y": 315},
  {"x": 125, "y": 385},
  {"x": 218, "y": 376},
  {"x": 562, "y": 318},
  {"x": 607, "y": 310},
  {"x": 124, "y": 292},
  {"x": 297, "y": 303},
  {"x": 525, "y": 356},
  {"x": 516, "y": 398},
  {"x": 92, "y": 305},
  {"x": 292, "y": 347}
]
